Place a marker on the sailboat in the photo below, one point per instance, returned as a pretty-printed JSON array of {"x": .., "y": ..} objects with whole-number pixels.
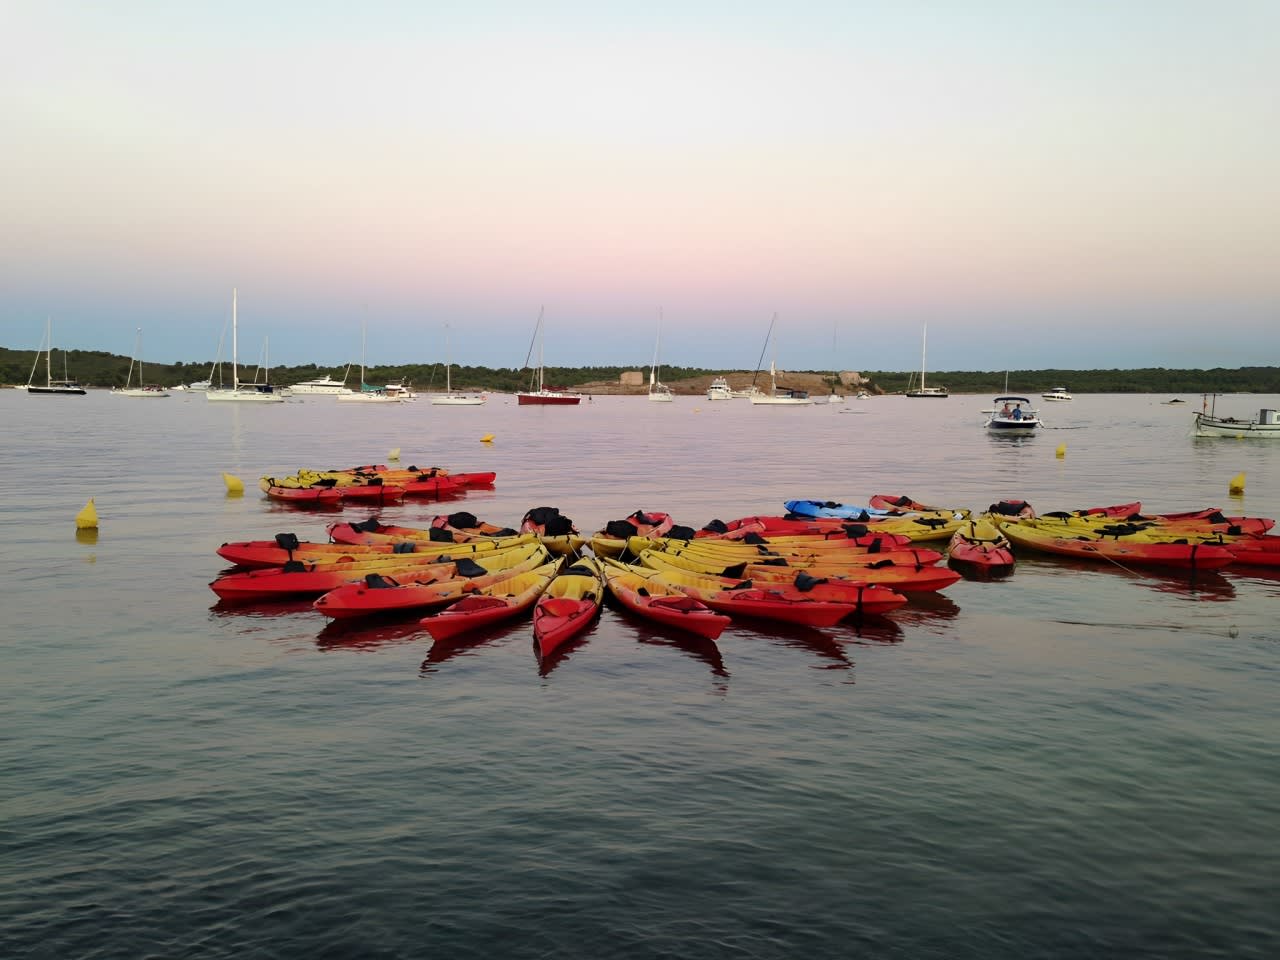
[
  {"x": 658, "y": 391},
  {"x": 241, "y": 393},
  {"x": 391, "y": 393},
  {"x": 449, "y": 398},
  {"x": 543, "y": 396},
  {"x": 142, "y": 389},
  {"x": 922, "y": 390},
  {"x": 789, "y": 398},
  {"x": 64, "y": 387}
]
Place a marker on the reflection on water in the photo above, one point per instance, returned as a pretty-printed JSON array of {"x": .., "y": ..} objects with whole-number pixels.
[{"x": 318, "y": 803}]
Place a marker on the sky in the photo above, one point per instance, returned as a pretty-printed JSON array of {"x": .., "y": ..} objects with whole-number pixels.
[{"x": 1041, "y": 184}]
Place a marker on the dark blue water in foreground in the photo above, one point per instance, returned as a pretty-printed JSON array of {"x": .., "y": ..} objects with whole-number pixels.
[{"x": 1078, "y": 762}]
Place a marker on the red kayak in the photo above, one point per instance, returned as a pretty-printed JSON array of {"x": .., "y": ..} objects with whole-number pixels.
[
  {"x": 887, "y": 501},
  {"x": 979, "y": 549},
  {"x": 569, "y": 605},
  {"x": 1261, "y": 551},
  {"x": 662, "y": 604},
  {"x": 305, "y": 496},
  {"x": 378, "y": 594},
  {"x": 491, "y": 604},
  {"x": 286, "y": 547}
]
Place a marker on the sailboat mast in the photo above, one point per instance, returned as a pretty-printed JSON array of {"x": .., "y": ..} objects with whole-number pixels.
[
  {"x": 48, "y": 332},
  {"x": 235, "y": 345},
  {"x": 924, "y": 340},
  {"x": 448, "y": 362}
]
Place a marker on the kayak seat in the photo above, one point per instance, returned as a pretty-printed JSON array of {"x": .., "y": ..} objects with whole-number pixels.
[
  {"x": 437, "y": 535},
  {"x": 681, "y": 533},
  {"x": 621, "y": 529},
  {"x": 716, "y": 526},
  {"x": 376, "y": 581},
  {"x": 294, "y": 566},
  {"x": 367, "y": 526},
  {"x": 405, "y": 546},
  {"x": 462, "y": 520},
  {"x": 467, "y": 567}
]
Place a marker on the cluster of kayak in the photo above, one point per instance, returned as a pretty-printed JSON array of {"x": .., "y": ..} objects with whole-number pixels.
[
  {"x": 459, "y": 574},
  {"x": 374, "y": 484},
  {"x": 984, "y": 545}
]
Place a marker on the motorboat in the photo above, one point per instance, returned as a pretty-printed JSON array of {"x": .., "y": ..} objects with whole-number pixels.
[
  {"x": 322, "y": 386},
  {"x": 719, "y": 390},
  {"x": 1010, "y": 416},
  {"x": 1057, "y": 393}
]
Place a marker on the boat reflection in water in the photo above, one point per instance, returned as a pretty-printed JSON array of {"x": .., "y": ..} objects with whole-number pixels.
[
  {"x": 468, "y": 644},
  {"x": 698, "y": 648},
  {"x": 366, "y": 635}
]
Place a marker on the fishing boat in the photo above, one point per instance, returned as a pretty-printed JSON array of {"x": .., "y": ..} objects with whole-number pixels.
[
  {"x": 658, "y": 391},
  {"x": 240, "y": 393},
  {"x": 1009, "y": 416},
  {"x": 449, "y": 398},
  {"x": 923, "y": 391},
  {"x": 142, "y": 390},
  {"x": 64, "y": 387},
  {"x": 1209, "y": 424},
  {"x": 776, "y": 397},
  {"x": 322, "y": 386},
  {"x": 390, "y": 393},
  {"x": 542, "y": 396},
  {"x": 719, "y": 390},
  {"x": 1057, "y": 393}
]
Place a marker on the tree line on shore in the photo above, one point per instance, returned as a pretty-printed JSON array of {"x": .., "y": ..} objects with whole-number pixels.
[{"x": 101, "y": 369}]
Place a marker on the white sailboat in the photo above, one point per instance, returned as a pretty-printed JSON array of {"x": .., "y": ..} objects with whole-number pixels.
[
  {"x": 240, "y": 393},
  {"x": 449, "y": 398},
  {"x": 391, "y": 393},
  {"x": 64, "y": 387},
  {"x": 658, "y": 391},
  {"x": 143, "y": 389},
  {"x": 922, "y": 390},
  {"x": 775, "y": 397}
]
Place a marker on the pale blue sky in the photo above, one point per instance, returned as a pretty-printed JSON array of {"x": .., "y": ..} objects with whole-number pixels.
[{"x": 1096, "y": 178}]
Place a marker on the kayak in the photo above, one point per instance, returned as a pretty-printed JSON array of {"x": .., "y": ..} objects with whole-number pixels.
[
  {"x": 287, "y": 546},
  {"x": 742, "y": 598},
  {"x": 796, "y": 554},
  {"x": 863, "y": 598},
  {"x": 569, "y": 605},
  {"x": 884, "y": 501},
  {"x": 661, "y": 603},
  {"x": 907, "y": 579},
  {"x": 298, "y": 578},
  {"x": 1125, "y": 550},
  {"x": 303, "y": 496},
  {"x": 611, "y": 541},
  {"x": 1198, "y": 524},
  {"x": 830, "y": 509},
  {"x": 397, "y": 474},
  {"x": 492, "y": 604},
  {"x": 378, "y": 594},
  {"x": 555, "y": 530},
  {"x": 373, "y": 531},
  {"x": 979, "y": 549},
  {"x": 1261, "y": 551},
  {"x": 295, "y": 489}
]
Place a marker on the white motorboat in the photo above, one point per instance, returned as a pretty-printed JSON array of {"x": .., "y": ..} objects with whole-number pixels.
[
  {"x": 323, "y": 386},
  {"x": 719, "y": 390},
  {"x": 1057, "y": 393},
  {"x": 1010, "y": 416}
]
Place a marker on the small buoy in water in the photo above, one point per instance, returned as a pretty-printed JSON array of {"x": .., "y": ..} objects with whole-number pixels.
[
  {"x": 234, "y": 483},
  {"x": 487, "y": 438},
  {"x": 393, "y": 453},
  {"x": 1236, "y": 487},
  {"x": 87, "y": 519},
  {"x": 1061, "y": 452}
]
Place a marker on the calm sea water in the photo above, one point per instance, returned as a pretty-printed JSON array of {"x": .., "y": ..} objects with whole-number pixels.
[{"x": 1077, "y": 762}]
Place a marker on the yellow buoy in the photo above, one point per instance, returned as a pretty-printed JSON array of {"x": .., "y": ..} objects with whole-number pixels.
[
  {"x": 393, "y": 453},
  {"x": 487, "y": 438},
  {"x": 1061, "y": 451},
  {"x": 1236, "y": 487},
  {"x": 234, "y": 483},
  {"x": 87, "y": 519}
]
